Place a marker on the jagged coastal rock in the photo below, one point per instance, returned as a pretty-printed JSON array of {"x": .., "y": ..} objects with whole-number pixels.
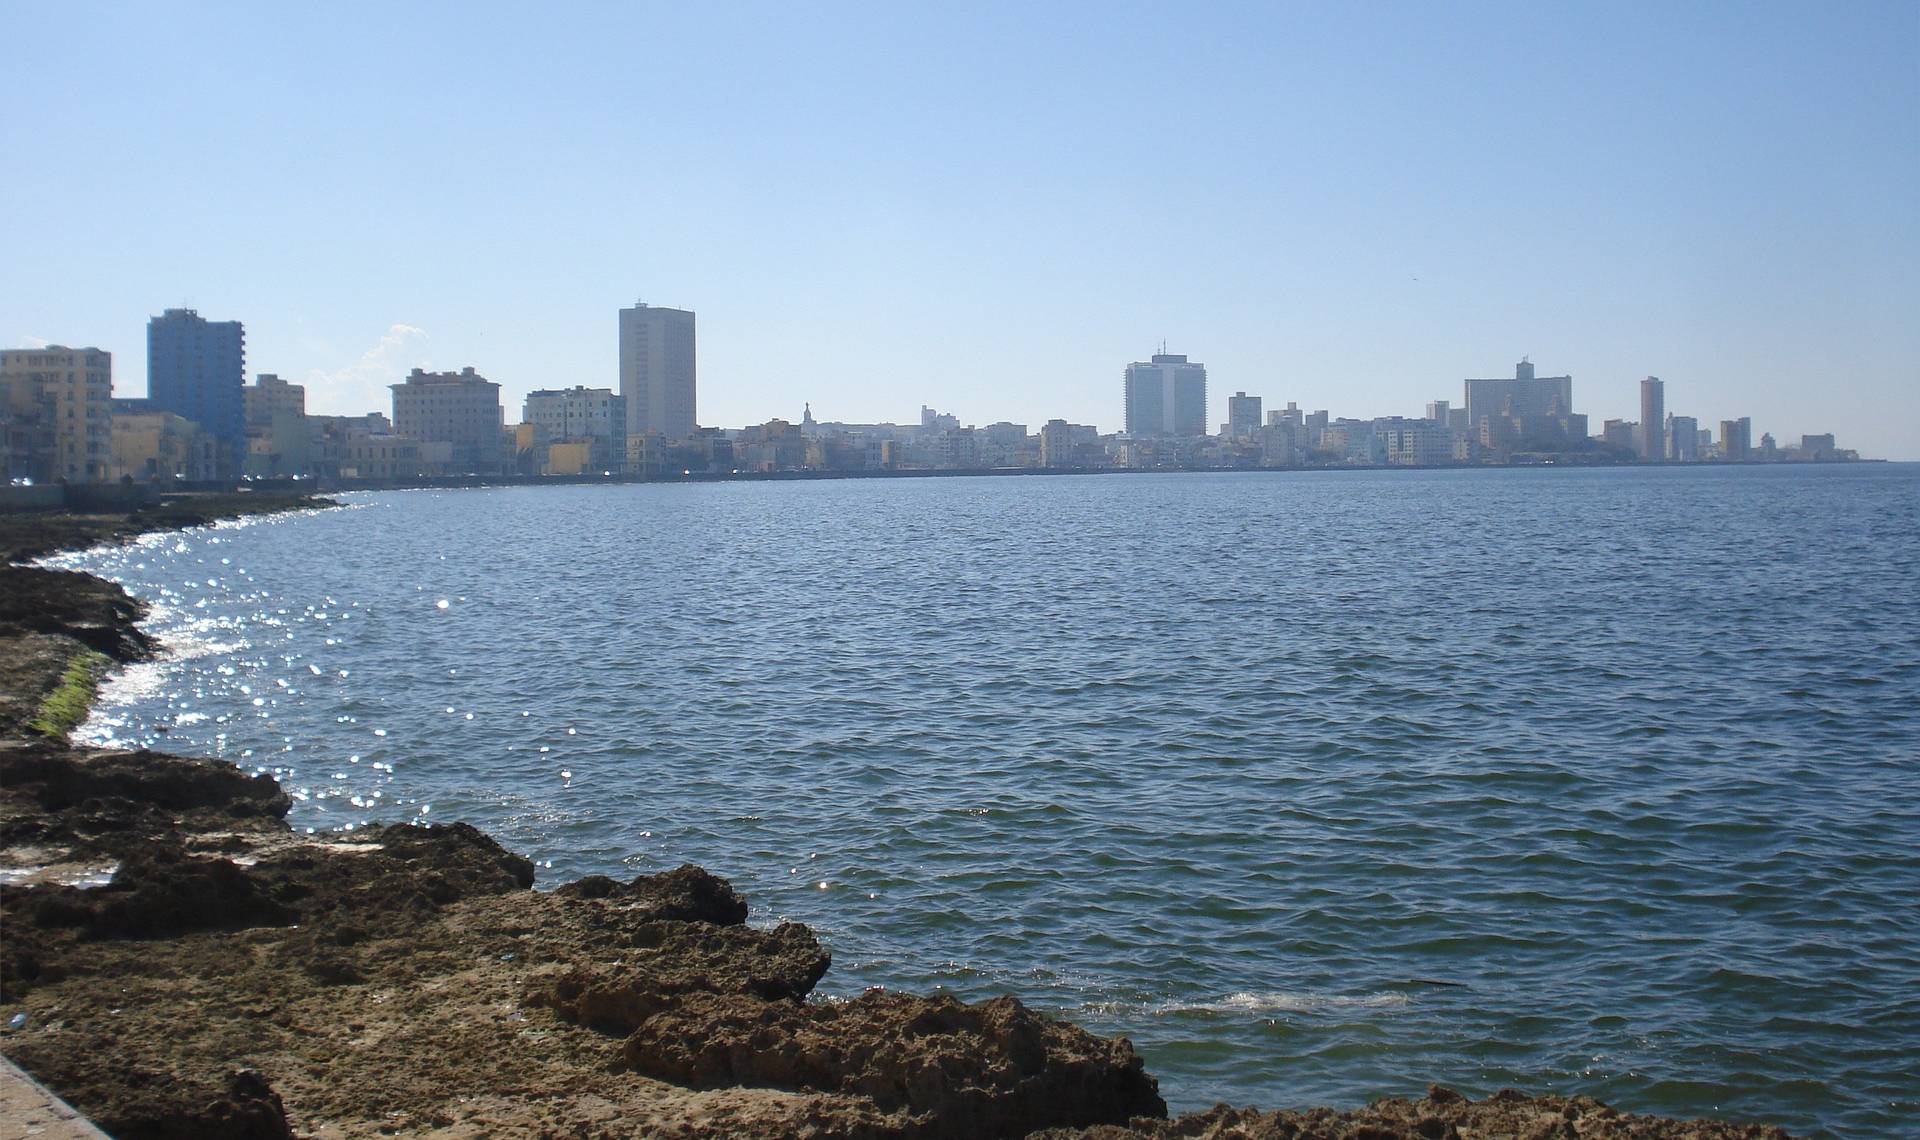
[{"x": 180, "y": 964}]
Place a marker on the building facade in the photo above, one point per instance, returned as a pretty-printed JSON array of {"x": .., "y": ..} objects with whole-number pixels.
[
  {"x": 595, "y": 417},
  {"x": 1683, "y": 439},
  {"x": 197, "y": 369},
  {"x": 1166, "y": 396},
  {"x": 458, "y": 408},
  {"x": 1653, "y": 418},
  {"x": 1243, "y": 416},
  {"x": 269, "y": 396},
  {"x": 154, "y": 445},
  {"x": 1524, "y": 395},
  {"x": 1736, "y": 439},
  {"x": 658, "y": 371},
  {"x": 56, "y": 413}
]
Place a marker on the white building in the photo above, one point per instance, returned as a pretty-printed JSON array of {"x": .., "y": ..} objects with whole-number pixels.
[
  {"x": 658, "y": 371},
  {"x": 1166, "y": 396}
]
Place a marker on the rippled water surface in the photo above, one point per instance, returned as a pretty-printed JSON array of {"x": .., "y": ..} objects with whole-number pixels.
[{"x": 1318, "y": 786}]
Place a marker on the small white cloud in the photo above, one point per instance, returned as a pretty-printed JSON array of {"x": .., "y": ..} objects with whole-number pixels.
[
  {"x": 34, "y": 342},
  {"x": 361, "y": 387}
]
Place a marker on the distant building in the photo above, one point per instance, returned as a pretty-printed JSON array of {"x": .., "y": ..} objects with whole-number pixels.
[
  {"x": 1006, "y": 444},
  {"x": 279, "y": 440},
  {"x": 1414, "y": 443},
  {"x": 152, "y": 444},
  {"x": 934, "y": 421},
  {"x": 1166, "y": 396},
  {"x": 1653, "y": 416},
  {"x": 658, "y": 371},
  {"x": 457, "y": 408},
  {"x": 1736, "y": 439},
  {"x": 593, "y": 416},
  {"x": 1620, "y": 434},
  {"x": 390, "y": 457},
  {"x": 56, "y": 414},
  {"x": 197, "y": 370},
  {"x": 1056, "y": 444},
  {"x": 1243, "y": 416},
  {"x": 269, "y": 396},
  {"x": 1524, "y": 395},
  {"x": 1683, "y": 439},
  {"x": 1817, "y": 446}
]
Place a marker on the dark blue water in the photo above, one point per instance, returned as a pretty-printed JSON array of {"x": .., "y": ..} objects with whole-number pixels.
[{"x": 1318, "y": 786}]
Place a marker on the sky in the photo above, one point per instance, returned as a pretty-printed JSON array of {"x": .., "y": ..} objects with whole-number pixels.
[{"x": 992, "y": 209}]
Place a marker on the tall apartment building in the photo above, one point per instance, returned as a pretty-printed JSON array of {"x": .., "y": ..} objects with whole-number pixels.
[
  {"x": 1736, "y": 439},
  {"x": 56, "y": 413},
  {"x": 197, "y": 369},
  {"x": 458, "y": 408},
  {"x": 658, "y": 371},
  {"x": 1243, "y": 416},
  {"x": 1653, "y": 417},
  {"x": 1166, "y": 396},
  {"x": 1522, "y": 396}
]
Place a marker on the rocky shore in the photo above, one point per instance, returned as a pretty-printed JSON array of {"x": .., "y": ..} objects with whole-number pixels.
[{"x": 177, "y": 963}]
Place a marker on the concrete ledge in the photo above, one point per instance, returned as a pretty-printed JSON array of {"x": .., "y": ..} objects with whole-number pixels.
[{"x": 28, "y": 1110}]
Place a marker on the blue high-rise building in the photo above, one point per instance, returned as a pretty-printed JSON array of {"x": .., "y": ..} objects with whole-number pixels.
[{"x": 197, "y": 369}]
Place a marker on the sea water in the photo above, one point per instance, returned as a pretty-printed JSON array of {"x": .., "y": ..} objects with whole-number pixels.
[{"x": 1318, "y": 786}]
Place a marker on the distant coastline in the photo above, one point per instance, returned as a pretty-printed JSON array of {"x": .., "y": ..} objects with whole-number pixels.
[{"x": 455, "y": 482}]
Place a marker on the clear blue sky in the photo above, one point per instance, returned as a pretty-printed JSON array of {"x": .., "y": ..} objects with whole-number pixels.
[{"x": 992, "y": 209}]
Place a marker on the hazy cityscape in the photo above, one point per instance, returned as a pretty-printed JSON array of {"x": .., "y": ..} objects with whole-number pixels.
[
  {"x": 201, "y": 422},
  {"x": 960, "y": 572}
]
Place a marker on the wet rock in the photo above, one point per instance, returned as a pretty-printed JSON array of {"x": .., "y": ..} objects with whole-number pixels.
[
  {"x": 671, "y": 959},
  {"x": 92, "y": 611},
  {"x": 1442, "y": 1115},
  {"x": 158, "y": 891},
  {"x": 62, "y": 779},
  {"x": 687, "y": 893},
  {"x": 991, "y": 1069}
]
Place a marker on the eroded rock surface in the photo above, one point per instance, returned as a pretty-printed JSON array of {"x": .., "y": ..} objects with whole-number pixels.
[
  {"x": 994, "y": 1068},
  {"x": 1441, "y": 1115}
]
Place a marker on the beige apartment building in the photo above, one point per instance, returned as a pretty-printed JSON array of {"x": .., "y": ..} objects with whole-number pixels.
[
  {"x": 150, "y": 444},
  {"x": 56, "y": 404},
  {"x": 458, "y": 408},
  {"x": 270, "y": 396}
]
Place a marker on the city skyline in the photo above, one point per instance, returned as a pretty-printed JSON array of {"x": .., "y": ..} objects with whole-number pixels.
[
  {"x": 1409, "y": 197},
  {"x": 456, "y": 421}
]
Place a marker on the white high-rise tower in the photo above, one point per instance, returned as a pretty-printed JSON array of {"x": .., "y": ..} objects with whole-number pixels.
[{"x": 657, "y": 370}]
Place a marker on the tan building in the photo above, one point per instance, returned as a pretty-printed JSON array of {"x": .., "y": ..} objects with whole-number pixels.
[
  {"x": 57, "y": 406},
  {"x": 279, "y": 441},
  {"x": 572, "y": 457},
  {"x": 459, "y": 408},
  {"x": 149, "y": 444},
  {"x": 389, "y": 457},
  {"x": 269, "y": 396}
]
